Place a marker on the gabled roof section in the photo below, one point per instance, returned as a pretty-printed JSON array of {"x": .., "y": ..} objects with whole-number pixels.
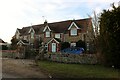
[
  {"x": 1, "y": 41},
  {"x": 25, "y": 30},
  {"x": 37, "y": 29},
  {"x": 46, "y": 27},
  {"x": 59, "y": 27},
  {"x": 62, "y": 27},
  {"x": 17, "y": 31},
  {"x": 73, "y": 23},
  {"x": 31, "y": 30},
  {"x": 56, "y": 40},
  {"x": 24, "y": 42}
]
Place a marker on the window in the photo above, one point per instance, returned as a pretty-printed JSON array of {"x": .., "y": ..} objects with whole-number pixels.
[
  {"x": 73, "y": 44},
  {"x": 57, "y": 35},
  {"x": 17, "y": 36},
  {"x": 47, "y": 33},
  {"x": 46, "y": 46},
  {"x": 25, "y": 37},
  {"x": 32, "y": 35},
  {"x": 73, "y": 32},
  {"x": 87, "y": 46}
]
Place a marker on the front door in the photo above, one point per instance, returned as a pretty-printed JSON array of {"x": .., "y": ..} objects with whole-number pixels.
[{"x": 53, "y": 47}]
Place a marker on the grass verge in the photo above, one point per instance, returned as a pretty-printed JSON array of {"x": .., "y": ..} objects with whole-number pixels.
[{"x": 61, "y": 70}]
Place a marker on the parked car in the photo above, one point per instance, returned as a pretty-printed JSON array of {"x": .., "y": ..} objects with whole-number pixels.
[{"x": 73, "y": 50}]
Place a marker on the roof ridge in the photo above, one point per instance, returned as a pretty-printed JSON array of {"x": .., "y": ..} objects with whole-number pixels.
[
  {"x": 70, "y": 20},
  {"x": 58, "y": 22}
]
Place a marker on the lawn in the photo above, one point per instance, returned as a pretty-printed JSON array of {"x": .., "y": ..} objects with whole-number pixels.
[{"x": 61, "y": 70}]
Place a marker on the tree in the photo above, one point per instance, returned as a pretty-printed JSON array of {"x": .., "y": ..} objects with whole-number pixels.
[
  {"x": 95, "y": 32},
  {"x": 4, "y": 47},
  {"x": 109, "y": 36},
  {"x": 14, "y": 43},
  {"x": 65, "y": 45},
  {"x": 81, "y": 44},
  {"x": 38, "y": 43}
]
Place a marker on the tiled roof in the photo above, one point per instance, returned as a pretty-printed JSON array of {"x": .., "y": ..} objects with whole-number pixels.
[
  {"x": 38, "y": 28},
  {"x": 57, "y": 27},
  {"x": 24, "y": 31},
  {"x": 1, "y": 41}
]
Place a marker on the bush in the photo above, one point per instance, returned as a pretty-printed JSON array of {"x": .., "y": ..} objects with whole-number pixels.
[
  {"x": 81, "y": 44},
  {"x": 65, "y": 45},
  {"x": 109, "y": 36},
  {"x": 30, "y": 53},
  {"x": 4, "y": 47}
]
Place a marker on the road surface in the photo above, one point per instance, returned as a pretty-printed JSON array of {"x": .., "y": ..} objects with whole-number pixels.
[{"x": 21, "y": 68}]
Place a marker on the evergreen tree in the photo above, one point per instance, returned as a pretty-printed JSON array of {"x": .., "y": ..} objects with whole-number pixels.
[
  {"x": 14, "y": 42},
  {"x": 110, "y": 36}
]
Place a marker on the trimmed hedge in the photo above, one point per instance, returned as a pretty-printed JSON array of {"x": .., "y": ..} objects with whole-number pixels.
[
  {"x": 8, "y": 55},
  {"x": 72, "y": 58}
]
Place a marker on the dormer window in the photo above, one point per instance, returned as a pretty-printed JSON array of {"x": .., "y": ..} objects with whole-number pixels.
[
  {"x": 73, "y": 32},
  {"x": 73, "y": 29},
  {"x": 32, "y": 34},
  {"x": 47, "y": 34}
]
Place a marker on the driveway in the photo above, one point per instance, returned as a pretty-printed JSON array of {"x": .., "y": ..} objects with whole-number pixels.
[{"x": 21, "y": 68}]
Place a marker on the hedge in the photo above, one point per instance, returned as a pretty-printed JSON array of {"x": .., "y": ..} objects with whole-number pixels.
[{"x": 72, "y": 58}]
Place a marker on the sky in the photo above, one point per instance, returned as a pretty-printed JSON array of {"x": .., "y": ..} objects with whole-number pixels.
[{"x": 22, "y": 13}]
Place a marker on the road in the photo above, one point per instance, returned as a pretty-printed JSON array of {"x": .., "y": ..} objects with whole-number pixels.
[{"x": 21, "y": 68}]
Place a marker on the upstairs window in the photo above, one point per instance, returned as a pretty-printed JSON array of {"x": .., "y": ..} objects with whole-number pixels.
[
  {"x": 57, "y": 35},
  {"x": 47, "y": 34},
  {"x": 17, "y": 36},
  {"x": 32, "y": 35},
  {"x": 73, "y": 32}
]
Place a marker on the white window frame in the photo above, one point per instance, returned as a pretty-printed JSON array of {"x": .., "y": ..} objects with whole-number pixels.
[
  {"x": 47, "y": 34},
  {"x": 17, "y": 36},
  {"x": 73, "y": 32},
  {"x": 73, "y": 44},
  {"x": 25, "y": 38},
  {"x": 32, "y": 34},
  {"x": 57, "y": 35}
]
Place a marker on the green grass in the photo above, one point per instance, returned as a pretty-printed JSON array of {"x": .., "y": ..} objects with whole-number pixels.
[{"x": 60, "y": 70}]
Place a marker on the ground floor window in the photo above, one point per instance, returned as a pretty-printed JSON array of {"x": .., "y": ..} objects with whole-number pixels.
[{"x": 73, "y": 44}]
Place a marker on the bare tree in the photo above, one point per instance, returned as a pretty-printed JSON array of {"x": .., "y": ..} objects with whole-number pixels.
[
  {"x": 94, "y": 31},
  {"x": 95, "y": 24}
]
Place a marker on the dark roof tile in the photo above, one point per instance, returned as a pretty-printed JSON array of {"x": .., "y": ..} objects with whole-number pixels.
[{"x": 57, "y": 27}]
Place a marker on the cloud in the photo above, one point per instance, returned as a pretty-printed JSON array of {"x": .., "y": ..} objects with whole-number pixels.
[{"x": 20, "y": 13}]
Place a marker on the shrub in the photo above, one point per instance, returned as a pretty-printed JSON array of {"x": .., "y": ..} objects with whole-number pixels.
[
  {"x": 65, "y": 45},
  {"x": 81, "y": 43}
]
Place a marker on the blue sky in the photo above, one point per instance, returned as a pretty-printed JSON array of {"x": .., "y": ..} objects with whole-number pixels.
[{"x": 21, "y": 13}]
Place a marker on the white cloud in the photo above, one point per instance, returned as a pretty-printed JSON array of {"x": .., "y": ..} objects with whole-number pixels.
[{"x": 19, "y": 13}]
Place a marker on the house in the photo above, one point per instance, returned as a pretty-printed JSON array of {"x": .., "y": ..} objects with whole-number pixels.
[
  {"x": 3, "y": 45},
  {"x": 52, "y": 34}
]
